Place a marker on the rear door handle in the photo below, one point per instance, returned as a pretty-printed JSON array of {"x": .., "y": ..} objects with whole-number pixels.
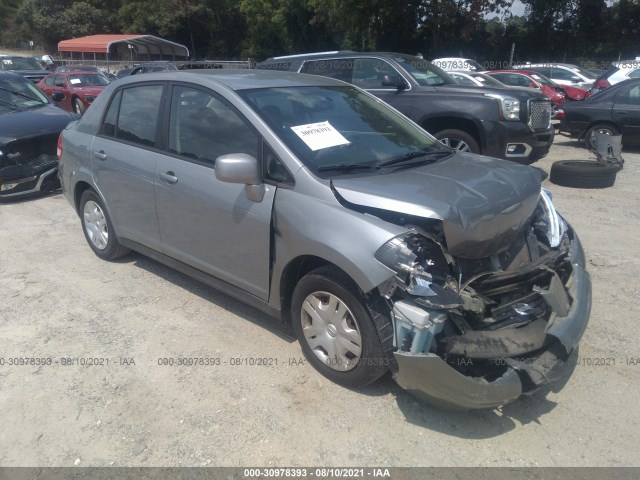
[
  {"x": 621, "y": 112},
  {"x": 169, "y": 177},
  {"x": 100, "y": 155}
]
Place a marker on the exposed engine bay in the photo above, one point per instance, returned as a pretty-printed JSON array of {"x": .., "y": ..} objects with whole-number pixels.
[
  {"x": 28, "y": 164},
  {"x": 489, "y": 319}
]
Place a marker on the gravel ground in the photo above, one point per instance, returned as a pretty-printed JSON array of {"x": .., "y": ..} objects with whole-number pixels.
[{"x": 60, "y": 301}]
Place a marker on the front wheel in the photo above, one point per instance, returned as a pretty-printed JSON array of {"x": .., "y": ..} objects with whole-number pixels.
[
  {"x": 335, "y": 330},
  {"x": 458, "y": 140},
  {"x": 98, "y": 229}
]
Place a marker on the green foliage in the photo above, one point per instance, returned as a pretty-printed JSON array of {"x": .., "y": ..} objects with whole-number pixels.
[
  {"x": 49, "y": 21},
  {"x": 261, "y": 28}
]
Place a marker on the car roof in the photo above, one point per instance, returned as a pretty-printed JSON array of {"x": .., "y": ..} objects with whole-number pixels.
[
  {"x": 238, "y": 79},
  {"x": 335, "y": 54}
]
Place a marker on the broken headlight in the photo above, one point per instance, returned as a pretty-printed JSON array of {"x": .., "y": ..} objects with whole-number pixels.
[
  {"x": 421, "y": 269},
  {"x": 549, "y": 222}
]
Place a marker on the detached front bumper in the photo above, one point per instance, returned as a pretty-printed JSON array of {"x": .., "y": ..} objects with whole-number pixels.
[{"x": 429, "y": 377}]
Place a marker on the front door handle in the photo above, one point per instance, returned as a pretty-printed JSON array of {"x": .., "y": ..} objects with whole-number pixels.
[
  {"x": 621, "y": 112},
  {"x": 100, "y": 155},
  {"x": 169, "y": 177}
]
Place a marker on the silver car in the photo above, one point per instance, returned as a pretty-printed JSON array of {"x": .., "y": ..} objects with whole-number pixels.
[{"x": 322, "y": 206}]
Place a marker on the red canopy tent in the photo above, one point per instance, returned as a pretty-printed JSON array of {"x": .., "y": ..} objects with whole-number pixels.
[{"x": 114, "y": 45}]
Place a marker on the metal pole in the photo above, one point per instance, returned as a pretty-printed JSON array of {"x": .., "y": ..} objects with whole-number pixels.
[{"x": 513, "y": 49}]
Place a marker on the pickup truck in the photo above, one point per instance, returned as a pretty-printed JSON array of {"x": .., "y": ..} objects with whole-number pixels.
[
  {"x": 28, "y": 67},
  {"x": 510, "y": 123}
]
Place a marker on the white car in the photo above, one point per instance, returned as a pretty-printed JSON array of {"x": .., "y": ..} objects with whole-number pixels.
[
  {"x": 457, "y": 63},
  {"x": 563, "y": 73},
  {"x": 620, "y": 71}
]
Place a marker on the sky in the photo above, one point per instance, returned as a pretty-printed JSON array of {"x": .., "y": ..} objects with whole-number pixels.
[{"x": 517, "y": 9}]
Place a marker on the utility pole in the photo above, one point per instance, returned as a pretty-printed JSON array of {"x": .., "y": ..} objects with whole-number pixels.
[{"x": 513, "y": 49}]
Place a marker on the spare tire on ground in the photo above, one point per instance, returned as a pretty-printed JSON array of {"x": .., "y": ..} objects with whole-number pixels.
[{"x": 583, "y": 174}]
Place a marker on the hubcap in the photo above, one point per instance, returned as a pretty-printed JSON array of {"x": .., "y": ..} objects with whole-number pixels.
[
  {"x": 95, "y": 224},
  {"x": 456, "y": 144},
  {"x": 331, "y": 331}
]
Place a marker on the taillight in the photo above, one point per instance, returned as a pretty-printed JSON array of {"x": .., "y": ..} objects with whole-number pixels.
[
  {"x": 559, "y": 114},
  {"x": 603, "y": 83},
  {"x": 59, "y": 147}
]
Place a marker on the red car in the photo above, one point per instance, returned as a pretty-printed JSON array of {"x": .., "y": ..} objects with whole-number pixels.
[
  {"x": 79, "y": 89},
  {"x": 526, "y": 78}
]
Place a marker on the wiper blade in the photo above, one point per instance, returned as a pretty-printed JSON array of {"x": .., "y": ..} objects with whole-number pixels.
[
  {"x": 20, "y": 94},
  {"x": 346, "y": 166},
  {"x": 433, "y": 156},
  {"x": 10, "y": 104}
]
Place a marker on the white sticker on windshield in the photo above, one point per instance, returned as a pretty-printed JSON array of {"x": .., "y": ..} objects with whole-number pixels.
[
  {"x": 75, "y": 81},
  {"x": 320, "y": 135}
]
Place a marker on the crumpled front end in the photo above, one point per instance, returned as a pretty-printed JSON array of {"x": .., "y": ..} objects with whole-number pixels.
[
  {"x": 28, "y": 166},
  {"x": 479, "y": 332}
]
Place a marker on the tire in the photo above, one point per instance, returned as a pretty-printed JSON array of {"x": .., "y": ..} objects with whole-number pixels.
[
  {"x": 335, "y": 330},
  {"x": 78, "y": 106},
  {"x": 98, "y": 229},
  {"x": 589, "y": 141},
  {"x": 458, "y": 140},
  {"x": 583, "y": 174}
]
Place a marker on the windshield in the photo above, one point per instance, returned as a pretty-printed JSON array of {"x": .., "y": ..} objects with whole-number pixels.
[
  {"x": 424, "y": 72},
  {"x": 542, "y": 79},
  {"x": 19, "y": 94},
  {"x": 19, "y": 63},
  {"x": 585, "y": 73},
  {"x": 88, "y": 80},
  {"x": 336, "y": 130},
  {"x": 487, "y": 80}
]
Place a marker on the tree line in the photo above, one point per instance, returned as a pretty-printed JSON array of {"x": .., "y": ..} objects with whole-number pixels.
[{"x": 230, "y": 29}]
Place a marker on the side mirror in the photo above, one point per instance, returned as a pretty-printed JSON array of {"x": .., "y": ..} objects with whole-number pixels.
[
  {"x": 394, "y": 81},
  {"x": 57, "y": 96},
  {"x": 575, "y": 79},
  {"x": 241, "y": 168},
  {"x": 533, "y": 85}
]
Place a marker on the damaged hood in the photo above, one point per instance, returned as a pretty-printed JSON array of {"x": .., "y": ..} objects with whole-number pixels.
[
  {"x": 483, "y": 203},
  {"x": 33, "y": 122}
]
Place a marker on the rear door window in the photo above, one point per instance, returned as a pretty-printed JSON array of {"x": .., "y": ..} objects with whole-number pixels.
[{"x": 133, "y": 115}]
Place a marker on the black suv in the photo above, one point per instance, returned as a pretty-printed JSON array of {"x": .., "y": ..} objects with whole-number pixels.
[{"x": 511, "y": 123}]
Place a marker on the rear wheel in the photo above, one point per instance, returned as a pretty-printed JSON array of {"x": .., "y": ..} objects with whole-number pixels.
[
  {"x": 98, "y": 229},
  {"x": 458, "y": 140},
  {"x": 335, "y": 330}
]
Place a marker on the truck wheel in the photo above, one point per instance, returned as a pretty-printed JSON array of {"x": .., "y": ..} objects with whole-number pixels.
[
  {"x": 583, "y": 174},
  {"x": 335, "y": 330},
  {"x": 458, "y": 140}
]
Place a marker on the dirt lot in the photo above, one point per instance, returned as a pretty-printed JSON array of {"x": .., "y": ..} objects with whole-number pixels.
[{"x": 60, "y": 301}]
